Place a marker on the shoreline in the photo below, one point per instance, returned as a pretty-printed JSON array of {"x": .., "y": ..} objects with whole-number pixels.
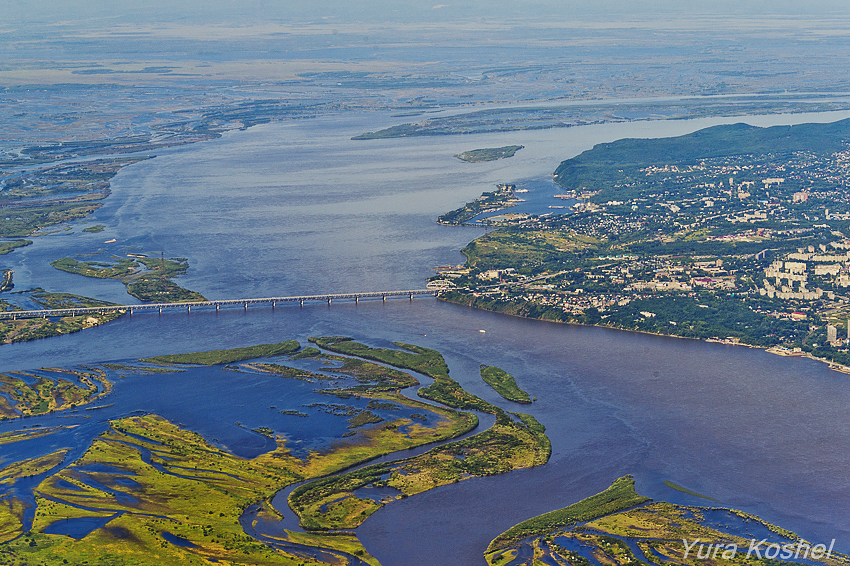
[{"x": 776, "y": 350}]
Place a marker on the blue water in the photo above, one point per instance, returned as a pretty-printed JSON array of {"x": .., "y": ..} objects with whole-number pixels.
[
  {"x": 179, "y": 541},
  {"x": 539, "y": 200},
  {"x": 764, "y": 434},
  {"x": 77, "y": 528}
]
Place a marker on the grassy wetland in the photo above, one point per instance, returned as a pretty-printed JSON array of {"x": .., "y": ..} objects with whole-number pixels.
[
  {"x": 22, "y": 330},
  {"x": 147, "y": 278},
  {"x": 619, "y": 526},
  {"x": 504, "y": 384},
  {"x": 148, "y": 491},
  {"x": 31, "y": 394}
]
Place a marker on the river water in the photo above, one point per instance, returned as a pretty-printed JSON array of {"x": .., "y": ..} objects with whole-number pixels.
[{"x": 299, "y": 208}]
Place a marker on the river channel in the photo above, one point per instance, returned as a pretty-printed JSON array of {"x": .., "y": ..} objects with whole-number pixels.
[{"x": 298, "y": 208}]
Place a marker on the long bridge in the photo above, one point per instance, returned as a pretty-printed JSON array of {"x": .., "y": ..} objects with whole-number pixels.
[{"x": 188, "y": 306}]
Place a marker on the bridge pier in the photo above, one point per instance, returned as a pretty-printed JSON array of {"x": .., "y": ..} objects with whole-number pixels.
[
  {"x": 188, "y": 308},
  {"x": 384, "y": 298},
  {"x": 246, "y": 306},
  {"x": 302, "y": 302},
  {"x": 329, "y": 300},
  {"x": 217, "y": 306},
  {"x": 160, "y": 310},
  {"x": 273, "y": 304},
  {"x": 356, "y": 300},
  {"x": 411, "y": 296}
]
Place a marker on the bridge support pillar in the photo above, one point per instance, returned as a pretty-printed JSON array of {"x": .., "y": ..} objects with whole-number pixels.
[
  {"x": 273, "y": 304},
  {"x": 329, "y": 300},
  {"x": 160, "y": 310},
  {"x": 246, "y": 306},
  {"x": 384, "y": 298},
  {"x": 189, "y": 308},
  {"x": 356, "y": 300},
  {"x": 217, "y": 306},
  {"x": 302, "y": 302},
  {"x": 411, "y": 296}
]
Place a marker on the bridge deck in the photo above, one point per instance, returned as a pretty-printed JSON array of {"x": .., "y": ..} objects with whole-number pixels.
[{"x": 329, "y": 298}]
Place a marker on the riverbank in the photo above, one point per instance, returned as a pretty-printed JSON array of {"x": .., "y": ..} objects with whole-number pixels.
[{"x": 777, "y": 350}]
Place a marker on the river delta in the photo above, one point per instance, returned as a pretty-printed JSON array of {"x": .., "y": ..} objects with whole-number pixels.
[{"x": 758, "y": 433}]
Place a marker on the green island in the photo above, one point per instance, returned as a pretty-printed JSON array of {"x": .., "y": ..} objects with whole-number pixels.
[
  {"x": 22, "y": 330},
  {"x": 6, "y": 283},
  {"x": 43, "y": 197},
  {"x": 502, "y": 197},
  {"x": 504, "y": 384},
  {"x": 27, "y": 394},
  {"x": 147, "y": 278},
  {"x": 489, "y": 153},
  {"x": 736, "y": 234},
  {"x": 94, "y": 229},
  {"x": 153, "y": 483},
  {"x": 609, "y": 525},
  {"x": 228, "y": 356},
  {"x": 32, "y": 467},
  {"x": 9, "y": 245},
  {"x": 333, "y": 503}
]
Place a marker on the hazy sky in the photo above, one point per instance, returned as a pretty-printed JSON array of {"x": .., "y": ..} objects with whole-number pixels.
[{"x": 220, "y": 11}]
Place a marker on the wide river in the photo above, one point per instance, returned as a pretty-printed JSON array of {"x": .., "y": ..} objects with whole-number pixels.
[{"x": 298, "y": 208}]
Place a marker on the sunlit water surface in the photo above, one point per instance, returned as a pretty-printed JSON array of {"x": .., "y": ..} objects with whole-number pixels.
[{"x": 299, "y": 208}]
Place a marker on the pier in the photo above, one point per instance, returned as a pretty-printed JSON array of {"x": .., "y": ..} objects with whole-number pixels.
[{"x": 189, "y": 306}]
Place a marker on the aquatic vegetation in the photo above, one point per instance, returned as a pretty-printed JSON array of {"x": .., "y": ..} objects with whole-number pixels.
[
  {"x": 147, "y": 278},
  {"x": 216, "y": 357},
  {"x": 618, "y": 527},
  {"x": 32, "y": 394},
  {"x": 155, "y": 478},
  {"x": 33, "y": 328},
  {"x": 23, "y": 330},
  {"x": 678, "y": 487},
  {"x": 52, "y": 195},
  {"x": 9, "y": 245},
  {"x": 149, "y": 492},
  {"x": 504, "y": 384},
  {"x": 333, "y": 503},
  {"x": 16, "y": 435},
  {"x": 32, "y": 467},
  {"x": 6, "y": 283},
  {"x": 419, "y": 359},
  {"x": 621, "y": 495}
]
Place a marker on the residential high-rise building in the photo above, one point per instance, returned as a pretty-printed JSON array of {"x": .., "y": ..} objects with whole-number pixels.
[{"x": 831, "y": 334}]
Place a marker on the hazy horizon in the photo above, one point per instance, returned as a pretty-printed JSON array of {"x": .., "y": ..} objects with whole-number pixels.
[{"x": 252, "y": 11}]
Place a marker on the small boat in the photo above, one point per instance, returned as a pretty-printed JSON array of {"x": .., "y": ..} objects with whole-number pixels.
[{"x": 112, "y": 241}]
